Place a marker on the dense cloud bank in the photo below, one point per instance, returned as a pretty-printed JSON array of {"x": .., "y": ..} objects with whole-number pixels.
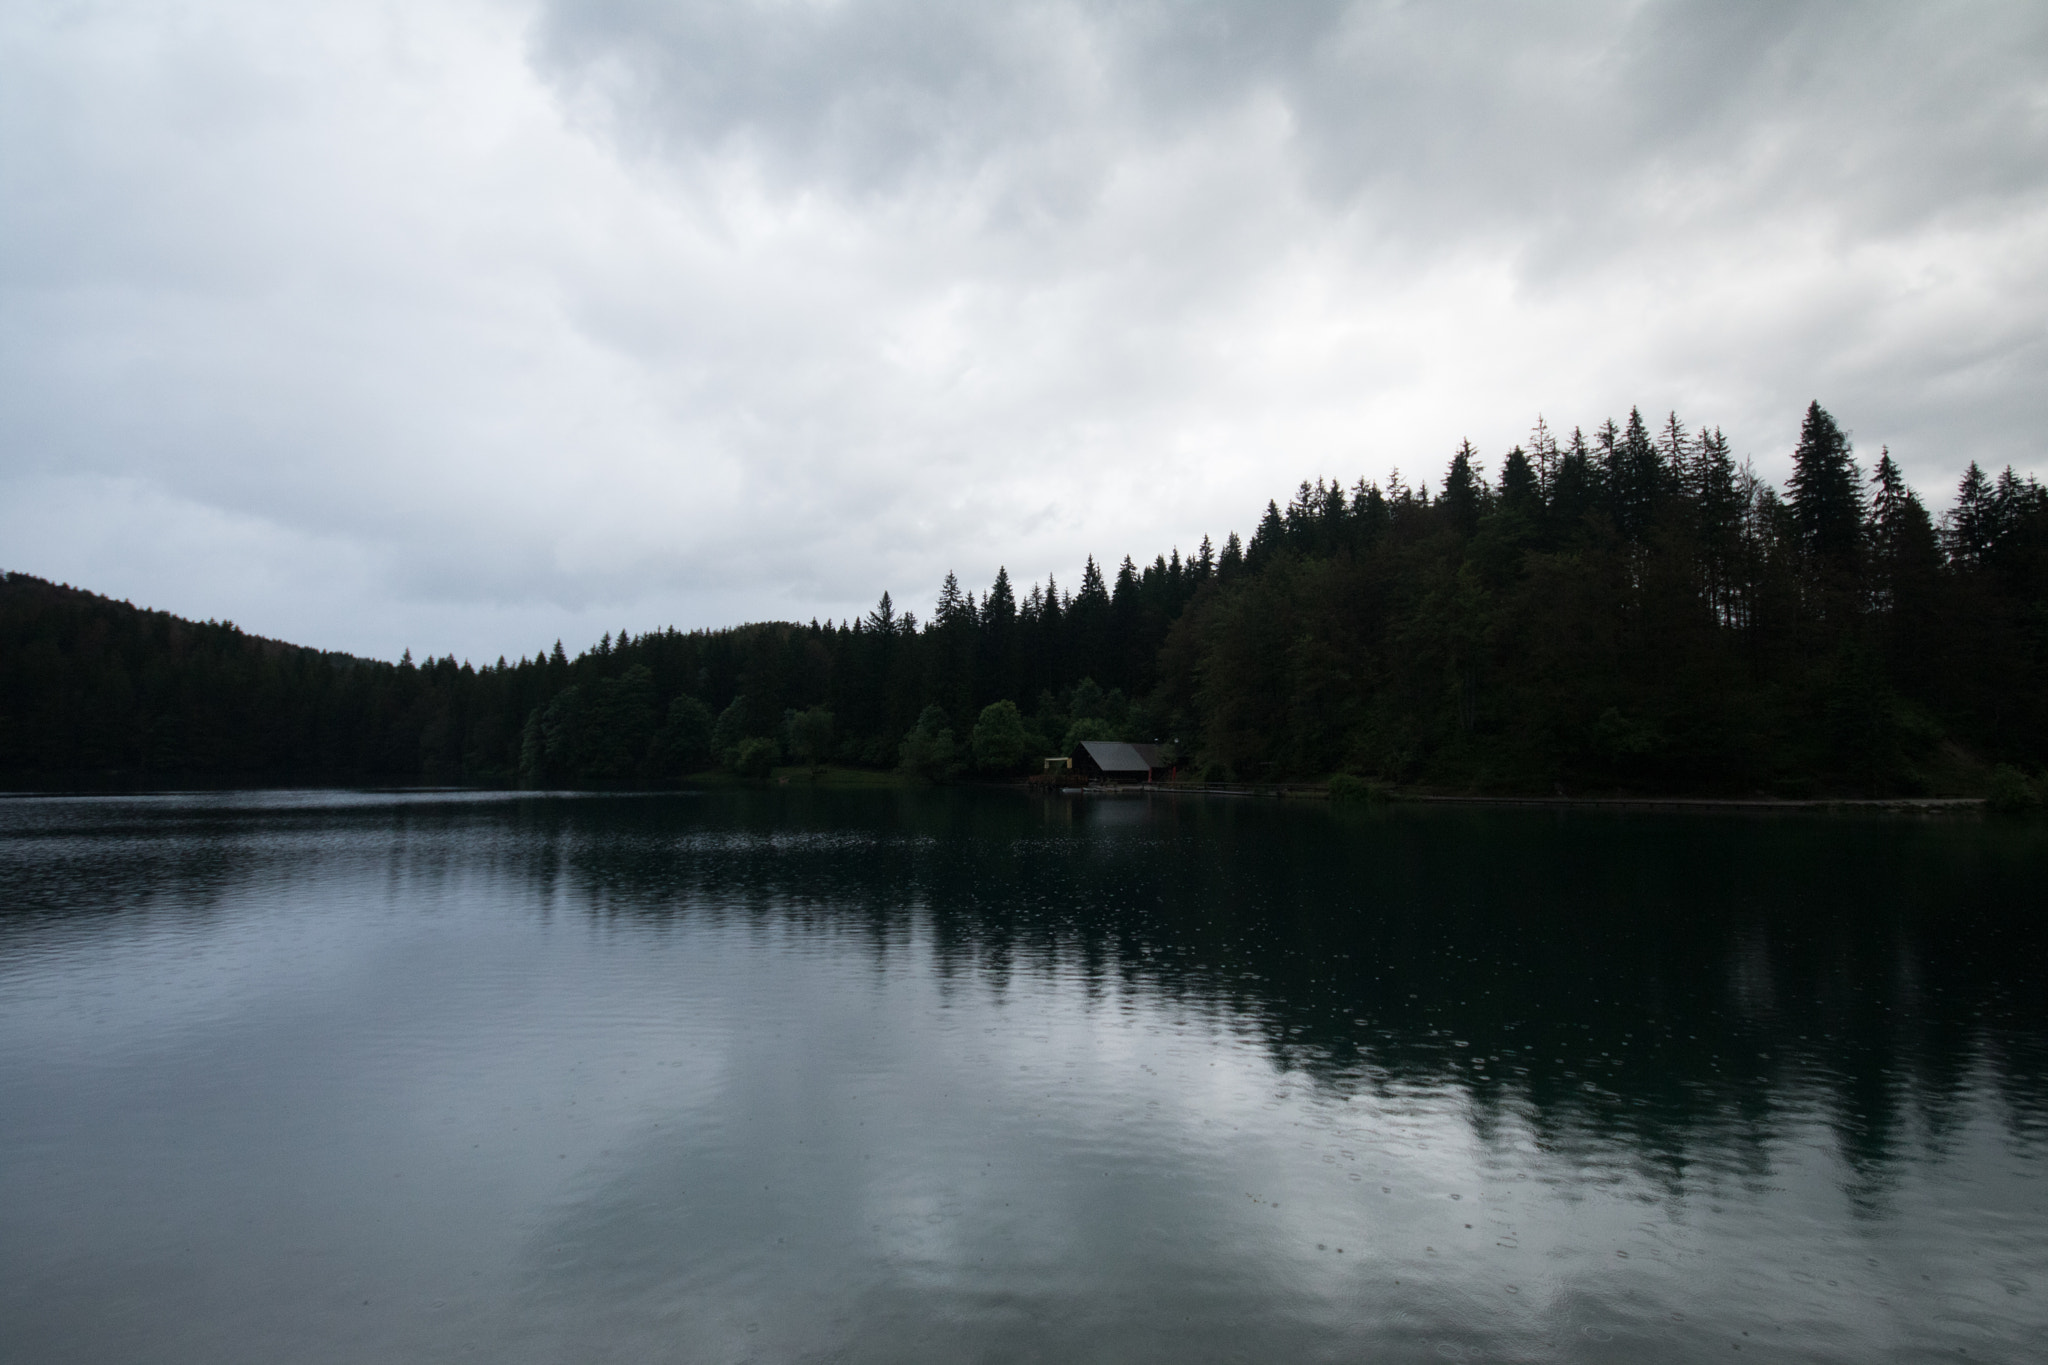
[{"x": 478, "y": 322}]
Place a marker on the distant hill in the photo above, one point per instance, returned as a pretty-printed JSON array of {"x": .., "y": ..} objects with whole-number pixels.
[{"x": 89, "y": 684}]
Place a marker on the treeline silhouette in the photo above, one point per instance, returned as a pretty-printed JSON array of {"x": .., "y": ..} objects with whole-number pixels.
[{"x": 1630, "y": 610}]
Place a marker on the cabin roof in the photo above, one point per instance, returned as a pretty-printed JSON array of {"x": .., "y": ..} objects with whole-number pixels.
[
  {"x": 1114, "y": 756},
  {"x": 1153, "y": 754}
]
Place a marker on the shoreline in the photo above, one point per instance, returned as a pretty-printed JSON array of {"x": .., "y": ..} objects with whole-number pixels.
[
  {"x": 861, "y": 779},
  {"x": 1904, "y": 805}
]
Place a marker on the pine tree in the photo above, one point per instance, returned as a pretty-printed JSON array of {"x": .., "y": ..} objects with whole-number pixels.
[
  {"x": 1717, "y": 501},
  {"x": 1826, "y": 494},
  {"x": 1544, "y": 455},
  {"x": 1369, "y": 514},
  {"x": 1094, "y": 592},
  {"x": 1635, "y": 475},
  {"x": 1462, "y": 490},
  {"x": 1267, "y": 537},
  {"x": 1970, "y": 521},
  {"x": 2014, "y": 504},
  {"x": 951, "y": 607},
  {"x": 1888, "y": 496},
  {"x": 1001, "y": 605},
  {"x": 1520, "y": 489},
  {"x": 1676, "y": 448},
  {"x": 1905, "y": 554},
  {"x": 1576, "y": 490}
]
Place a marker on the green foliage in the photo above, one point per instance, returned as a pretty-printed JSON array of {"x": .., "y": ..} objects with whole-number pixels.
[
  {"x": 808, "y": 736},
  {"x": 928, "y": 750},
  {"x": 620, "y": 725},
  {"x": 1000, "y": 742},
  {"x": 561, "y": 728},
  {"x": 1088, "y": 727},
  {"x": 683, "y": 744},
  {"x": 533, "y": 753},
  {"x": 754, "y": 758},
  {"x": 1826, "y": 492},
  {"x": 2009, "y": 792},
  {"x": 1344, "y": 788},
  {"x": 729, "y": 730}
]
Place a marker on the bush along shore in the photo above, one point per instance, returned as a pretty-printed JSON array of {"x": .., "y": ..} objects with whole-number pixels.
[{"x": 1629, "y": 611}]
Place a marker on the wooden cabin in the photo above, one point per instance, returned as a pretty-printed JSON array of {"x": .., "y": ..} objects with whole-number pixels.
[{"x": 1110, "y": 760}]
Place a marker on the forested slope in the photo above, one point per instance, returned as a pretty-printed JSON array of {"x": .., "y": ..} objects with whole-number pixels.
[{"x": 1626, "y": 611}]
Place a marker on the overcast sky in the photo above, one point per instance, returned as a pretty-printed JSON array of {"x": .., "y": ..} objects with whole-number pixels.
[{"x": 462, "y": 325}]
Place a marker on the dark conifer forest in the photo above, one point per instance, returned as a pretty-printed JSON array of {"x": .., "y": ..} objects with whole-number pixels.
[{"x": 1628, "y": 610}]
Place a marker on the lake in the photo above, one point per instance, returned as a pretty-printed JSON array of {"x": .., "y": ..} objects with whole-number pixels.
[{"x": 796, "y": 1075}]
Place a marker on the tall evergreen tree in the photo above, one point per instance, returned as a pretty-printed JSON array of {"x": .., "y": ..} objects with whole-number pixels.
[
  {"x": 1635, "y": 475},
  {"x": 1905, "y": 555},
  {"x": 1972, "y": 521},
  {"x": 1676, "y": 448},
  {"x": 1576, "y": 489},
  {"x": 1826, "y": 493},
  {"x": 1267, "y": 537},
  {"x": 1001, "y": 606},
  {"x": 1520, "y": 490},
  {"x": 1544, "y": 455},
  {"x": 1716, "y": 496},
  {"x": 1462, "y": 490},
  {"x": 1232, "y": 558},
  {"x": 951, "y": 608}
]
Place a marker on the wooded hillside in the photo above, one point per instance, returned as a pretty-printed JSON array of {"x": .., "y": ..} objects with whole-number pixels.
[{"x": 1626, "y": 611}]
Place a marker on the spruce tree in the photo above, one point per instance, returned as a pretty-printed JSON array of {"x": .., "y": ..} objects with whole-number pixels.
[
  {"x": 1232, "y": 558},
  {"x": 1001, "y": 606},
  {"x": 1827, "y": 494},
  {"x": 1971, "y": 520},
  {"x": 1904, "y": 552},
  {"x": 1677, "y": 449},
  {"x": 1461, "y": 491},
  {"x": 1267, "y": 537},
  {"x": 951, "y": 608},
  {"x": 1635, "y": 475},
  {"x": 1717, "y": 505},
  {"x": 1544, "y": 455},
  {"x": 1094, "y": 592},
  {"x": 1520, "y": 489},
  {"x": 1576, "y": 490}
]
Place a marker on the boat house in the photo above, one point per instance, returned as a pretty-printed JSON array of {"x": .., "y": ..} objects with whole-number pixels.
[{"x": 1108, "y": 760}]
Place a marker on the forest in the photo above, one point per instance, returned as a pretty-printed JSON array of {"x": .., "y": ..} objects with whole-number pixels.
[{"x": 1626, "y": 611}]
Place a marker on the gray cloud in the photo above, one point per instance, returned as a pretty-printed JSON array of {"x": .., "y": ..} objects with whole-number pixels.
[{"x": 472, "y": 325}]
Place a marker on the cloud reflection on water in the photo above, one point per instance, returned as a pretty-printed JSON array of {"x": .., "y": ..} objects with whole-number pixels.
[{"x": 774, "y": 1072}]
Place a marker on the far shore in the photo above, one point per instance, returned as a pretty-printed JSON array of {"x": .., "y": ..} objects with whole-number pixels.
[{"x": 837, "y": 778}]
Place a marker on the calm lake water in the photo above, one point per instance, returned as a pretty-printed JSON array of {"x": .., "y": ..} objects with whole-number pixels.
[{"x": 972, "y": 1076}]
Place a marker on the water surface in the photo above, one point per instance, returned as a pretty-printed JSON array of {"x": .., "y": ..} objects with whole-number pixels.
[{"x": 955, "y": 1076}]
